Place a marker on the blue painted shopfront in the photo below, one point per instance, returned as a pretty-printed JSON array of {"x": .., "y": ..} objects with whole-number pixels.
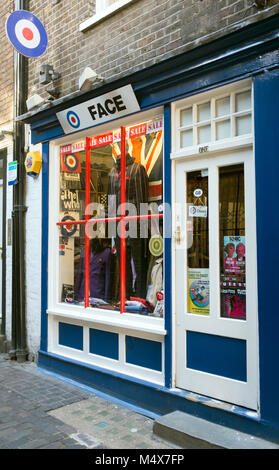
[{"x": 249, "y": 53}]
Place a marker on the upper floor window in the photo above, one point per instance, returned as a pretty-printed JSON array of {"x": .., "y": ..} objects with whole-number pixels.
[
  {"x": 104, "y": 8},
  {"x": 102, "y": 5}
]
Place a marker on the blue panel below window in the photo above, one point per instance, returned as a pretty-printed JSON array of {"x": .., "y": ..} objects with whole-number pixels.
[
  {"x": 71, "y": 336},
  {"x": 144, "y": 353},
  {"x": 104, "y": 343},
  {"x": 217, "y": 355}
]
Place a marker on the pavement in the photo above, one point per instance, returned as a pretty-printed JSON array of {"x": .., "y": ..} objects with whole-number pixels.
[{"x": 40, "y": 411}]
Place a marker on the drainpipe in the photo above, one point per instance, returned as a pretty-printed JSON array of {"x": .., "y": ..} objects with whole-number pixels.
[
  {"x": 18, "y": 341},
  {"x": 3, "y": 338}
]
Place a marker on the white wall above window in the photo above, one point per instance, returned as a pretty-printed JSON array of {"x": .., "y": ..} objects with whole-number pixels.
[{"x": 104, "y": 8}]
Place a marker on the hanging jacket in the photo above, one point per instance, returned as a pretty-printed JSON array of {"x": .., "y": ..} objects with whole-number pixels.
[
  {"x": 99, "y": 276},
  {"x": 156, "y": 281}
]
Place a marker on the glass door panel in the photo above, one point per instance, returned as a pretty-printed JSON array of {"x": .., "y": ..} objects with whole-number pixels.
[
  {"x": 232, "y": 242},
  {"x": 198, "y": 247}
]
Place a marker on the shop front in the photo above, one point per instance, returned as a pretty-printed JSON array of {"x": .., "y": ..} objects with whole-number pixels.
[
  {"x": 105, "y": 304},
  {"x": 154, "y": 281}
]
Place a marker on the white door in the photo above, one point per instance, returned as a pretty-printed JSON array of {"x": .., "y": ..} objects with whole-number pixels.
[{"x": 215, "y": 277}]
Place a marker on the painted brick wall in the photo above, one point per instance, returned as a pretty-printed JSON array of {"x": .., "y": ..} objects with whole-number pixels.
[
  {"x": 33, "y": 220},
  {"x": 143, "y": 33}
]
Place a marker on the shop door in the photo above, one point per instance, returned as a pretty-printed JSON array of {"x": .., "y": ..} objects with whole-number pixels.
[{"x": 215, "y": 277}]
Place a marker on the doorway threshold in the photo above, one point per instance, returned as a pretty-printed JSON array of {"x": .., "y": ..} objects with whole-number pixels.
[{"x": 217, "y": 404}]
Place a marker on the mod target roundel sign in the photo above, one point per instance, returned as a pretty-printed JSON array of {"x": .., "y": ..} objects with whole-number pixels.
[
  {"x": 73, "y": 119},
  {"x": 26, "y": 33}
]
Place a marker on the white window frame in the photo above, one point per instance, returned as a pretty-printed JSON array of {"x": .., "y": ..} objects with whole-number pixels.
[
  {"x": 129, "y": 321},
  {"x": 103, "y": 11},
  {"x": 214, "y": 145}
]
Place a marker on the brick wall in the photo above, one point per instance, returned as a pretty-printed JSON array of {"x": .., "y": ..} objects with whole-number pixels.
[
  {"x": 6, "y": 68},
  {"x": 143, "y": 33}
]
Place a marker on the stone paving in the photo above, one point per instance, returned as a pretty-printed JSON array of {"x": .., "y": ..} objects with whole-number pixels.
[
  {"x": 38, "y": 411},
  {"x": 114, "y": 426}
]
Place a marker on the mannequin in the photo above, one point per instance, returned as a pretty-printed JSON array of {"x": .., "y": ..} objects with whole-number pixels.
[{"x": 136, "y": 193}]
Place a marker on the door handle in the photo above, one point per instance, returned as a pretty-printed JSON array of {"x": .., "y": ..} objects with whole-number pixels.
[{"x": 178, "y": 235}]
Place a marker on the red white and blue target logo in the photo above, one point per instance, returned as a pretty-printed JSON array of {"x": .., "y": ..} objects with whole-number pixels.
[
  {"x": 68, "y": 230},
  {"x": 73, "y": 119},
  {"x": 26, "y": 33},
  {"x": 71, "y": 163}
]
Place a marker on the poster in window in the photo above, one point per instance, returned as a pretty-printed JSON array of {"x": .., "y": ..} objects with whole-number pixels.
[
  {"x": 70, "y": 229},
  {"x": 234, "y": 256},
  {"x": 198, "y": 291},
  {"x": 233, "y": 282},
  {"x": 233, "y": 299}
]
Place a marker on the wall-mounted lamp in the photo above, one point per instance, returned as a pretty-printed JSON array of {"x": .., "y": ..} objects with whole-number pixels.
[
  {"x": 87, "y": 78},
  {"x": 34, "y": 101}
]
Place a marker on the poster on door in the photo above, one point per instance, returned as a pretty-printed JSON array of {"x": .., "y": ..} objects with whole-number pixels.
[
  {"x": 233, "y": 282},
  {"x": 234, "y": 256},
  {"x": 198, "y": 291},
  {"x": 233, "y": 300}
]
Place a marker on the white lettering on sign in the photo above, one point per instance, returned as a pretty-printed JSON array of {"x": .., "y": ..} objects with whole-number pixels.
[{"x": 99, "y": 110}]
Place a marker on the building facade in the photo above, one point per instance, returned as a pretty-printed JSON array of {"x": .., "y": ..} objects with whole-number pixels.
[{"x": 171, "y": 305}]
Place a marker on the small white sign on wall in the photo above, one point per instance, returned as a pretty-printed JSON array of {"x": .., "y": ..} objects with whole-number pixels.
[{"x": 12, "y": 173}]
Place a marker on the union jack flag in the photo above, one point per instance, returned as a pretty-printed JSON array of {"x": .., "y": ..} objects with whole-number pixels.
[{"x": 147, "y": 149}]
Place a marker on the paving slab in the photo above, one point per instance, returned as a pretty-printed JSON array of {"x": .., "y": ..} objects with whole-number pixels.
[{"x": 115, "y": 426}]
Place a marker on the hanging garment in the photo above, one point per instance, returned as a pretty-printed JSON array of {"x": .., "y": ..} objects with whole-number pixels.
[
  {"x": 136, "y": 183},
  {"x": 156, "y": 281},
  {"x": 136, "y": 187},
  {"x": 99, "y": 276}
]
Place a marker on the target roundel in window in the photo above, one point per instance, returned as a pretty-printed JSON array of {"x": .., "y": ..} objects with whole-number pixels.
[
  {"x": 70, "y": 163},
  {"x": 68, "y": 230}
]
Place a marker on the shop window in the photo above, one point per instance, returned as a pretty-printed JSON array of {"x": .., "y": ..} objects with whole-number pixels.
[
  {"x": 102, "y": 5},
  {"x": 218, "y": 119},
  {"x": 111, "y": 232}
]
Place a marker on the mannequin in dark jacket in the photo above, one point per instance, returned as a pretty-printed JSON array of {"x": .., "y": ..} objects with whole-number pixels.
[
  {"x": 99, "y": 272},
  {"x": 136, "y": 180}
]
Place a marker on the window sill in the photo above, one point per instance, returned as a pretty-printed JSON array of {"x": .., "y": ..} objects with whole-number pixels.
[
  {"x": 98, "y": 17},
  {"x": 128, "y": 321}
]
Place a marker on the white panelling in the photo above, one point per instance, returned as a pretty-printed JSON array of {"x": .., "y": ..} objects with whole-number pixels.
[{"x": 119, "y": 366}]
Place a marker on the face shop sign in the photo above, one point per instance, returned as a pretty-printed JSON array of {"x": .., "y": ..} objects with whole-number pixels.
[{"x": 112, "y": 105}]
